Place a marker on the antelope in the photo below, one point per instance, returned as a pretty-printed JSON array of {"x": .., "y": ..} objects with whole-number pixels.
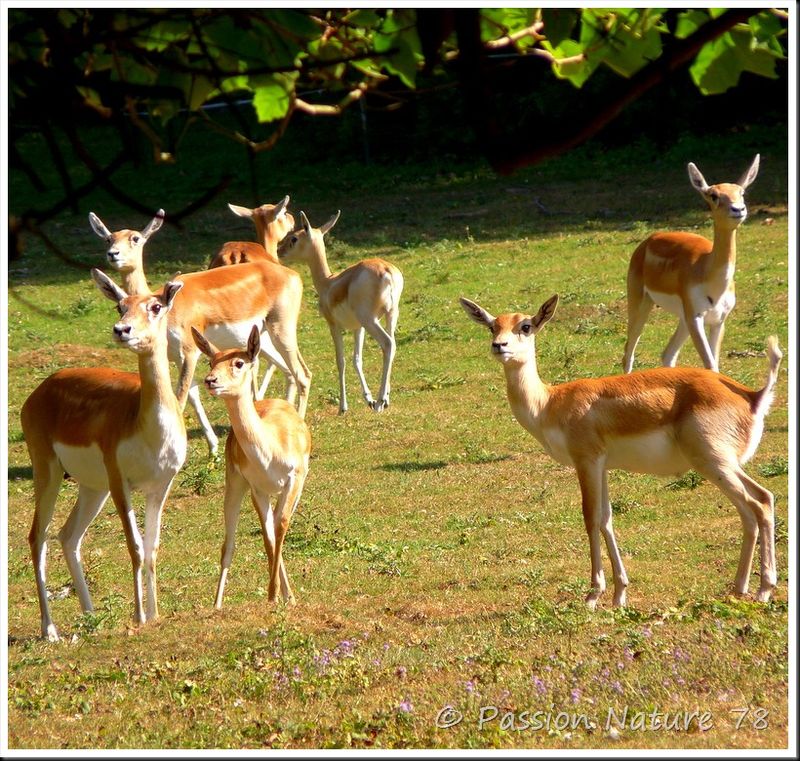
[
  {"x": 355, "y": 299},
  {"x": 272, "y": 222},
  {"x": 690, "y": 276},
  {"x": 661, "y": 421},
  {"x": 226, "y": 302},
  {"x": 267, "y": 452},
  {"x": 112, "y": 432}
]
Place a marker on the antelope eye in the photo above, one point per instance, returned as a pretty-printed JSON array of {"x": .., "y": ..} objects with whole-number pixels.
[
  {"x": 714, "y": 197},
  {"x": 135, "y": 239},
  {"x": 526, "y": 328},
  {"x": 293, "y": 240},
  {"x": 155, "y": 308},
  {"x": 239, "y": 364}
]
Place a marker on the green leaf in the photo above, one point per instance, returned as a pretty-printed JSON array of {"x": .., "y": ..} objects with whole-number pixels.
[
  {"x": 296, "y": 23},
  {"x": 629, "y": 51},
  {"x": 720, "y": 63},
  {"x": 398, "y": 32},
  {"x": 497, "y": 22},
  {"x": 272, "y": 97},
  {"x": 577, "y": 72},
  {"x": 200, "y": 90},
  {"x": 689, "y": 22},
  {"x": 363, "y": 18},
  {"x": 162, "y": 35},
  {"x": 558, "y": 24},
  {"x": 765, "y": 26}
]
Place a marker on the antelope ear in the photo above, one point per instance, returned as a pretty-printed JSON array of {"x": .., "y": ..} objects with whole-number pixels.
[
  {"x": 171, "y": 291},
  {"x": 154, "y": 225},
  {"x": 280, "y": 208},
  {"x": 696, "y": 178},
  {"x": 98, "y": 226},
  {"x": 477, "y": 313},
  {"x": 107, "y": 286},
  {"x": 305, "y": 224},
  {"x": 330, "y": 223},
  {"x": 545, "y": 313},
  {"x": 240, "y": 211},
  {"x": 203, "y": 343},
  {"x": 750, "y": 175},
  {"x": 254, "y": 343}
]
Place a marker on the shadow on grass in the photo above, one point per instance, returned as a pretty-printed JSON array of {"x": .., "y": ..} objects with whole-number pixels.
[
  {"x": 19, "y": 473},
  {"x": 413, "y": 467}
]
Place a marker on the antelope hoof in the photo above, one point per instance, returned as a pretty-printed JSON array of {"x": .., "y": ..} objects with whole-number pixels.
[
  {"x": 52, "y": 634},
  {"x": 763, "y": 595},
  {"x": 380, "y": 405}
]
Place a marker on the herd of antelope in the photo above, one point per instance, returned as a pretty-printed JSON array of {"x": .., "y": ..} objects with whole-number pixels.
[{"x": 114, "y": 432}]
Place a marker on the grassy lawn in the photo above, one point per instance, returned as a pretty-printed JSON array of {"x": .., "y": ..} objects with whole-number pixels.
[{"x": 438, "y": 555}]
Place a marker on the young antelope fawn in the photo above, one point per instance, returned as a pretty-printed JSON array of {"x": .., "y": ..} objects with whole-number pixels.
[
  {"x": 267, "y": 453},
  {"x": 356, "y": 299},
  {"x": 690, "y": 276},
  {"x": 112, "y": 432},
  {"x": 662, "y": 421}
]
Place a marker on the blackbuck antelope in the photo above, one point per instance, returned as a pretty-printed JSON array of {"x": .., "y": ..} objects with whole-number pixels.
[
  {"x": 225, "y": 302},
  {"x": 272, "y": 222},
  {"x": 267, "y": 453},
  {"x": 356, "y": 299},
  {"x": 690, "y": 276},
  {"x": 661, "y": 421},
  {"x": 112, "y": 432}
]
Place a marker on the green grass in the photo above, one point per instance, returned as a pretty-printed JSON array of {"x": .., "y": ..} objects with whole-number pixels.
[{"x": 438, "y": 555}]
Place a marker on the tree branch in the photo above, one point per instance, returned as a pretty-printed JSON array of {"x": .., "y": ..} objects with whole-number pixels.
[{"x": 505, "y": 156}]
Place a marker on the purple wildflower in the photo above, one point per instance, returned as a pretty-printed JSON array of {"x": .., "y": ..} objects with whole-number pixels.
[
  {"x": 405, "y": 706},
  {"x": 344, "y": 648},
  {"x": 540, "y": 686},
  {"x": 627, "y": 653},
  {"x": 575, "y": 694}
]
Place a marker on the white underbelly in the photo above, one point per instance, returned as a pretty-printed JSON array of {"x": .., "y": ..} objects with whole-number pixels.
[
  {"x": 84, "y": 464},
  {"x": 714, "y": 310},
  {"x": 668, "y": 301},
  {"x": 655, "y": 452},
  {"x": 231, "y": 335},
  {"x": 143, "y": 464},
  {"x": 140, "y": 465},
  {"x": 271, "y": 479}
]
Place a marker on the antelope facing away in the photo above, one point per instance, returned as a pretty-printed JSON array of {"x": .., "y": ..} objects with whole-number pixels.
[
  {"x": 267, "y": 452},
  {"x": 113, "y": 432},
  {"x": 272, "y": 222},
  {"x": 661, "y": 421},
  {"x": 355, "y": 299},
  {"x": 226, "y": 302},
  {"x": 690, "y": 276}
]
